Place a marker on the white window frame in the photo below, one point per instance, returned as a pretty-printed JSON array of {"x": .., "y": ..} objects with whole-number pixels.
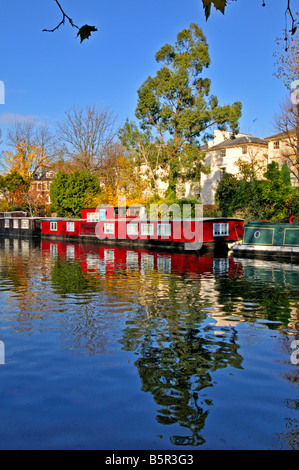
[
  {"x": 109, "y": 229},
  {"x": 6, "y": 223},
  {"x": 220, "y": 229},
  {"x": 25, "y": 224},
  {"x": 93, "y": 217},
  {"x": 147, "y": 229},
  {"x": 132, "y": 229},
  {"x": 70, "y": 226},
  {"x": 53, "y": 249},
  {"x": 164, "y": 230},
  {"x": 15, "y": 223},
  {"x": 53, "y": 226},
  {"x": 276, "y": 144},
  {"x": 70, "y": 252}
]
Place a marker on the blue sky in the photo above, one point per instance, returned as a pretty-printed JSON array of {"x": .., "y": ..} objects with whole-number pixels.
[{"x": 45, "y": 74}]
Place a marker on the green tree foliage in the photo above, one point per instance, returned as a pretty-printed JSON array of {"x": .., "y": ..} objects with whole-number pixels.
[
  {"x": 14, "y": 181},
  {"x": 70, "y": 192},
  {"x": 272, "y": 198},
  {"x": 175, "y": 108}
]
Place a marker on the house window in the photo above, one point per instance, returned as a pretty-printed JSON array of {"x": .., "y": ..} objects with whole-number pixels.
[
  {"x": 276, "y": 145},
  {"x": 53, "y": 226},
  {"x": 222, "y": 153},
  {"x": 147, "y": 229},
  {"x": 164, "y": 230},
  {"x": 70, "y": 226},
  {"x": 109, "y": 229},
  {"x": 220, "y": 230},
  {"x": 244, "y": 150},
  {"x": 222, "y": 171},
  {"x": 132, "y": 229},
  {"x": 93, "y": 217}
]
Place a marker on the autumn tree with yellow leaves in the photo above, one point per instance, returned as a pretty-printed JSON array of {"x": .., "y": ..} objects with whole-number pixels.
[
  {"x": 26, "y": 159},
  {"x": 119, "y": 176},
  {"x": 32, "y": 149}
]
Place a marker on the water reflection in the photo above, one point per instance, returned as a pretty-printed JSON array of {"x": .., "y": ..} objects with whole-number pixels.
[{"x": 177, "y": 313}]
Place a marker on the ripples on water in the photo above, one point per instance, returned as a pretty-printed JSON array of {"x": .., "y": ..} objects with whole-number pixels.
[{"x": 114, "y": 348}]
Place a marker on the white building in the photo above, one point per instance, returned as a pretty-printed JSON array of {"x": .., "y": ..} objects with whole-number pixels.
[{"x": 222, "y": 156}]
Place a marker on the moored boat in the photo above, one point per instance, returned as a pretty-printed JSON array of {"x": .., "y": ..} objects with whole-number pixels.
[
  {"x": 269, "y": 240},
  {"x": 127, "y": 226}
]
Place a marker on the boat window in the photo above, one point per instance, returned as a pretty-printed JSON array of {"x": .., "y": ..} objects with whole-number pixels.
[
  {"x": 134, "y": 212},
  {"x": 70, "y": 226},
  {"x": 147, "y": 229},
  {"x": 132, "y": 229},
  {"x": 102, "y": 214},
  {"x": 164, "y": 230},
  {"x": 109, "y": 228},
  {"x": 93, "y": 217},
  {"x": 53, "y": 226},
  {"x": 220, "y": 230},
  {"x": 25, "y": 224}
]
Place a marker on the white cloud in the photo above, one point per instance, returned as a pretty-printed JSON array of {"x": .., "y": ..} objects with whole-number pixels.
[
  {"x": 7, "y": 119},
  {"x": 10, "y": 118}
]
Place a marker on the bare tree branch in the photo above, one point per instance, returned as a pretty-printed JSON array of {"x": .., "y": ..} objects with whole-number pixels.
[{"x": 64, "y": 17}]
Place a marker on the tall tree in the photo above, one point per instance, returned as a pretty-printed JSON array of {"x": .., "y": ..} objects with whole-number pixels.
[
  {"x": 87, "y": 134},
  {"x": 287, "y": 70},
  {"x": 175, "y": 107},
  {"x": 287, "y": 123}
]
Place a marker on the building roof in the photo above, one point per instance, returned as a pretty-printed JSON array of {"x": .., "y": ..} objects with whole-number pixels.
[
  {"x": 238, "y": 141},
  {"x": 280, "y": 134}
]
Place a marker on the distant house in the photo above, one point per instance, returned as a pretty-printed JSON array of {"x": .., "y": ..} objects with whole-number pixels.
[
  {"x": 222, "y": 156},
  {"x": 41, "y": 183},
  {"x": 282, "y": 148}
]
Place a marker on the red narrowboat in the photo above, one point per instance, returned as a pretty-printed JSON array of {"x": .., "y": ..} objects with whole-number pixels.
[{"x": 129, "y": 226}]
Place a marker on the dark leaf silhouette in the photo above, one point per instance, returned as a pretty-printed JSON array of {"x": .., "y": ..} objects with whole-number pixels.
[{"x": 85, "y": 32}]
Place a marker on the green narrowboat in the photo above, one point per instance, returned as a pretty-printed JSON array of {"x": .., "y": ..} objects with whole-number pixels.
[{"x": 265, "y": 239}]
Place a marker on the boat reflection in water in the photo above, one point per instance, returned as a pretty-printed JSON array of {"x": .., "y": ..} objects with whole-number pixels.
[{"x": 186, "y": 319}]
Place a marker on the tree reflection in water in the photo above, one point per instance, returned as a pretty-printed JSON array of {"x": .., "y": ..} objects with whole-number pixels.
[{"x": 172, "y": 306}]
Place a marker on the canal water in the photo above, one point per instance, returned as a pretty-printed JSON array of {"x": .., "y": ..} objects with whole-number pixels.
[{"x": 112, "y": 348}]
